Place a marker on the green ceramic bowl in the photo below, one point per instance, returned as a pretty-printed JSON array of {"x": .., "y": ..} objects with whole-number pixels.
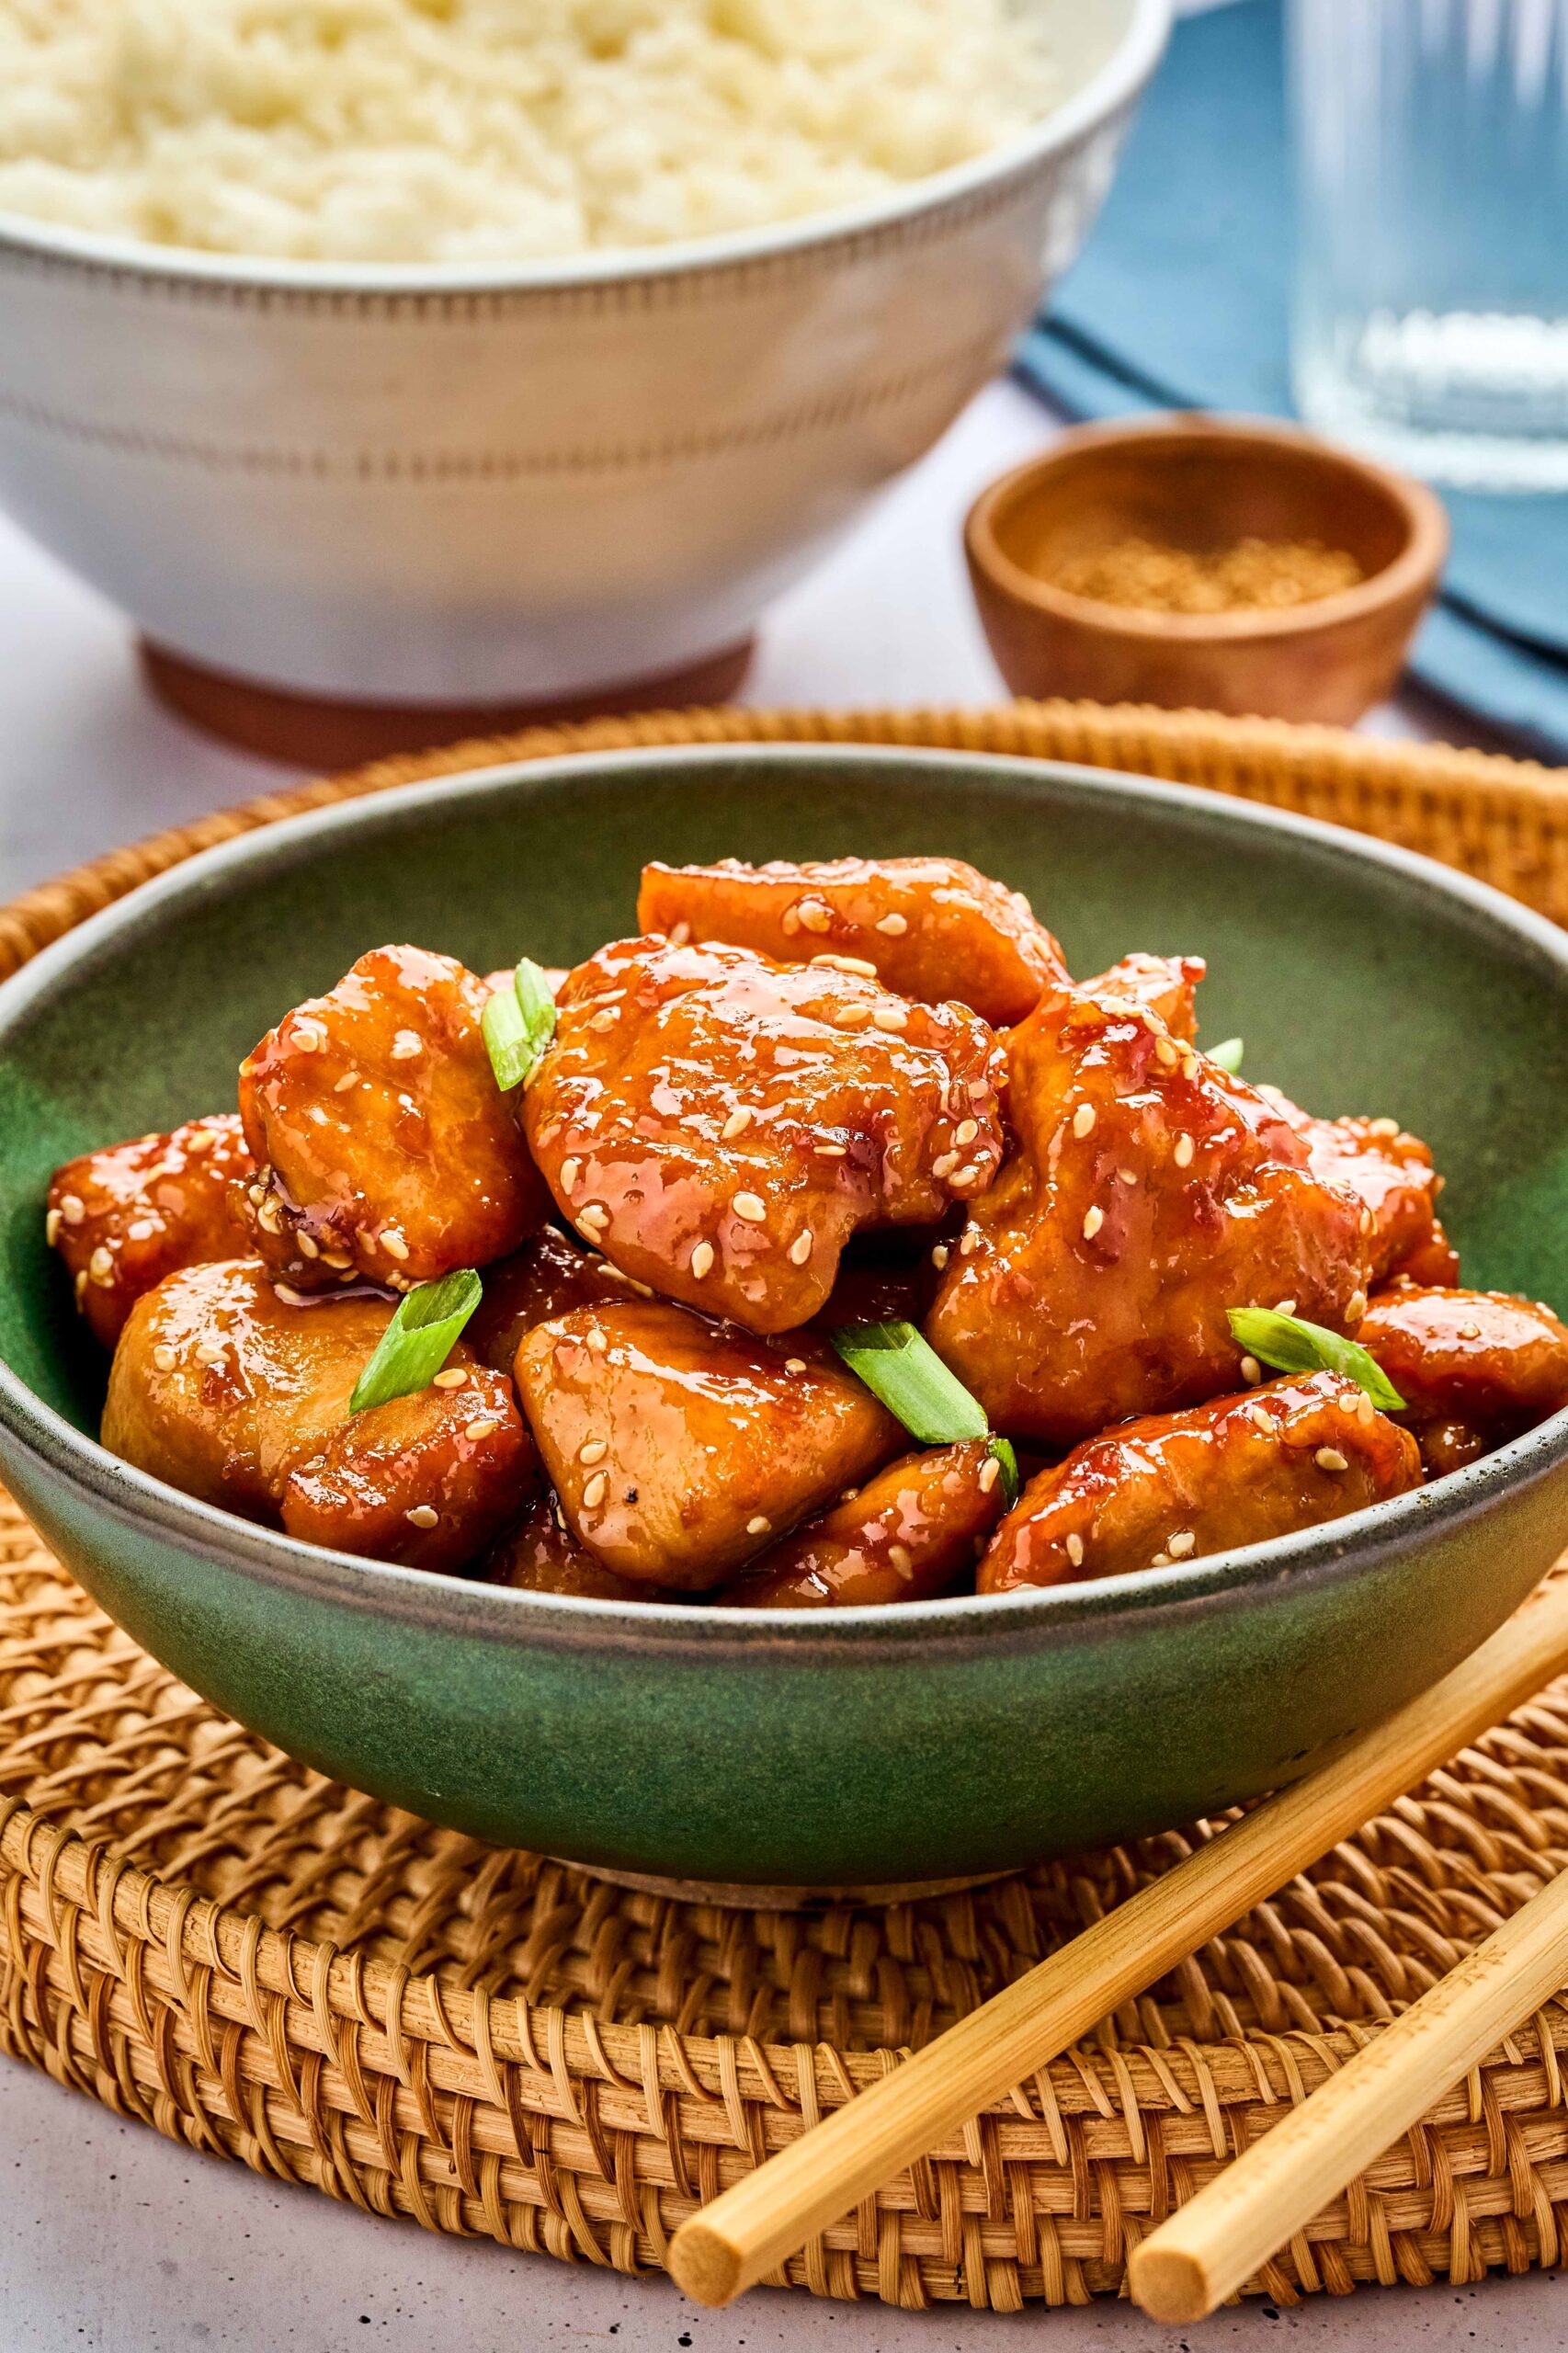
[{"x": 944, "y": 1738}]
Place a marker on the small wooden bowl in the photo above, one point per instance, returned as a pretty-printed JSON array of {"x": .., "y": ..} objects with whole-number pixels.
[{"x": 1201, "y": 483}]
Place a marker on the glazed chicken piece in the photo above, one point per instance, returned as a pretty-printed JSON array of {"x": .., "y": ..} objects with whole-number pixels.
[
  {"x": 234, "y": 1396},
  {"x": 907, "y": 1535},
  {"x": 123, "y": 1219},
  {"x": 1150, "y": 1192},
  {"x": 1176, "y": 1487},
  {"x": 541, "y": 1555},
  {"x": 549, "y": 1275},
  {"x": 385, "y": 1150},
  {"x": 1391, "y": 1174},
  {"x": 424, "y": 1481},
  {"x": 679, "y": 1448},
  {"x": 929, "y": 927},
  {"x": 1168, "y": 985},
  {"x": 720, "y": 1125},
  {"x": 1475, "y": 1367}
]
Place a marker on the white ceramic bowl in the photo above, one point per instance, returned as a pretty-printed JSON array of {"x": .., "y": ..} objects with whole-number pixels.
[{"x": 508, "y": 483}]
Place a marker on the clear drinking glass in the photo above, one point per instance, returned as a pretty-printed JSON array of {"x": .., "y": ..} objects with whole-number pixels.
[{"x": 1431, "y": 317}]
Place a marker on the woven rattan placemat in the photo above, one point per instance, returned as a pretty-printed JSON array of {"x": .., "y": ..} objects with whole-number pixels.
[{"x": 204, "y": 1934}]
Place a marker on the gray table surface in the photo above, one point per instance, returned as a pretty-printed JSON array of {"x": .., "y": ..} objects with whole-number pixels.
[{"x": 115, "y": 2240}]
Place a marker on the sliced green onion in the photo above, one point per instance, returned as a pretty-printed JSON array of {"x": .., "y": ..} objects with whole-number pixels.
[
  {"x": 910, "y": 1378},
  {"x": 1228, "y": 1054},
  {"x": 1001, "y": 1450},
  {"x": 419, "y": 1340},
  {"x": 1292, "y": 1345},
  {"x": 518, "y": 1024}
]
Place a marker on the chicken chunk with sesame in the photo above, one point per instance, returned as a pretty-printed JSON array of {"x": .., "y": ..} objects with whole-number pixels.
[
  {"x": 1391, "y": 1174},
  {"x": 1474, "y": 1368},
  {"x": 720, "y": 1125},
  {"x": 1177, "y": 1486},
  {"x": 907, "y": 1535},
  {"x": 929, "y": 927},
  {"x": 232, "y": 1394},
  {"x": 385, "y": 1150},
  {"x": 679, "y": 1448},
  {"x": 1150, "y": 1192},
  {"x": 541, "y": 1555},
  {"x": 123, "y": 1219}
]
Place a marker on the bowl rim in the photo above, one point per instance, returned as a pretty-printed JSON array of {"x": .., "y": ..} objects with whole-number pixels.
[
  {"x": 1113, "y": 86},
  {"x": 1086, "y": 1610},
  {"x": 1412, "y": 572}
]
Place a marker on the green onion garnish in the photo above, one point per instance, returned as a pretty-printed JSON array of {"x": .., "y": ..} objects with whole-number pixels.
[
  {"x": 905, "y": 1370},
  {"x": 419, "y": 1340},
  {"x": 1292, "y": 1345},
  {"x": 518, "y": 1024},
  {"x": 1228, "y": 1054},
  {"x": 1001, "y": 1450}
]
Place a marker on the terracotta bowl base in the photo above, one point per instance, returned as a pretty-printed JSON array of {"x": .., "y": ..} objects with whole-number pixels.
[
  {"x": 322, "y": 731},
  {"x": 738, "y": 1897}
]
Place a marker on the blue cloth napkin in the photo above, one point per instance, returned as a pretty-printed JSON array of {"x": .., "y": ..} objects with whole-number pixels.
[{"x": 1180, "y": 300}]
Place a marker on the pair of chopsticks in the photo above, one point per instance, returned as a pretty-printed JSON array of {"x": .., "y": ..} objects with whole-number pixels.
[{"x": 1208, "y": 2249}]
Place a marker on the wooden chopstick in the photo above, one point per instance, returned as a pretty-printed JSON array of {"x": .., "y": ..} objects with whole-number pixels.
[
  {"x": 770, "y": 2212},
  {"x": 1214, "y": 2245}
]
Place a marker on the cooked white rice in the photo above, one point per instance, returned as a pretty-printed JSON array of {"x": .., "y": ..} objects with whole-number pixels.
[{"x": 454, "y": 131}]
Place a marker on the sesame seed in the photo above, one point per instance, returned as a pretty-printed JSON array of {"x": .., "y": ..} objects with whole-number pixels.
[
  {"x": 210, "y": 1352},
  {"x": 595, "y": 1491},
  {"x": 310, "y": 1248},
  {"x": 1075, "y": 1551},
  {"x": 1161, "y": 1561},
  {"x": 794, "y": 1364},
  {"x": 72, "y": 1210},
  {"x": 407, "y": 1046},
  {"x": 1364, "y": 1408},
  {"x": 899, "y": 1554},
  {"x": 789, "y": 922},
  {"x": 939, "y": 1255},
  {"x": 268, "y": 1216},
  {"x": 1329, "y": 1458},
  {"x": 1364, "y": 1222},
  {"x": 830, "y": 1151},
  {"x": 1352, "y": 1405},
  {"x": 570, "y": 1172},
  {"x": 1383, "y": 1127},
  {"x": 350, "y": 1078},
  {"x": 338, "y": 1260},
  {"x": 198, "y": 1140},
  {"x": 972, "y": 1175},
  {"x": 737, "y": 1124},
  {"x": 292, "y": 1298},
  {"x": 891, "y": 1017},
  {"x": 1183, "y": 1153},
  {"x": 679, "y": 933},
  {"x": 944, "y": 1163},
  {"x": 605, "y": 1020},
  {"x": 454, "y": 1377},
  {"x": 1355, "y": 1307},
  {"x": 1470, "y": 1331},
  {"x": 856, "y": 964},
  {"x": 702, "y": 1261},
  {"x": 52, "y": 1228},
  {"x": 966, "y": 1130},
  {"x": 596, "y": 1341},
  {"x": 990, "y": 1471},
  {"x": 748, "y": 1207},
  {"x": 393, "y": 1244},
  {"x": 1127, "y": 1175},
  {"x": 968, "y": 1240},
  {"x": 483, "y": 1427},
  {"x": 1252, "y": 1371},
  {"x": 247, "y": 1068},
  {"x": 1261, "y": 1419},
  {"x": 814, "y": 915},
  {"x": 1190, "y": 1067},
  {"x": 164, "y": 1356},
  {"x": 309, "y": 1039},
  {"x": 759, "y": 1526},
  {"x": 1083, "y": 1119},
  {"x": 593, "y": 1451},
  {"x": 1179, "y": 1545},
  {"x": 893, "y": 927},
  {"x": 800, "y": 1248},
  {"x": 1284, "y": 1307},
  {"x": 1094, "y": 1218},
  {"x": 595, "y": 1216},
  {"x": 853, "y": 1017},
  {"x": 423, "y": 1515},
  {"x": 979, "y": 1089},
  {"x": 1165, "y": 1048},
  {"x": 100, "y": 1266},
  {"x": 141, "y": 1228}
]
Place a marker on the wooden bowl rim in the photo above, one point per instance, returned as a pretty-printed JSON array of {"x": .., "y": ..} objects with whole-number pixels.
[{"x": 1411, "y": 572}]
